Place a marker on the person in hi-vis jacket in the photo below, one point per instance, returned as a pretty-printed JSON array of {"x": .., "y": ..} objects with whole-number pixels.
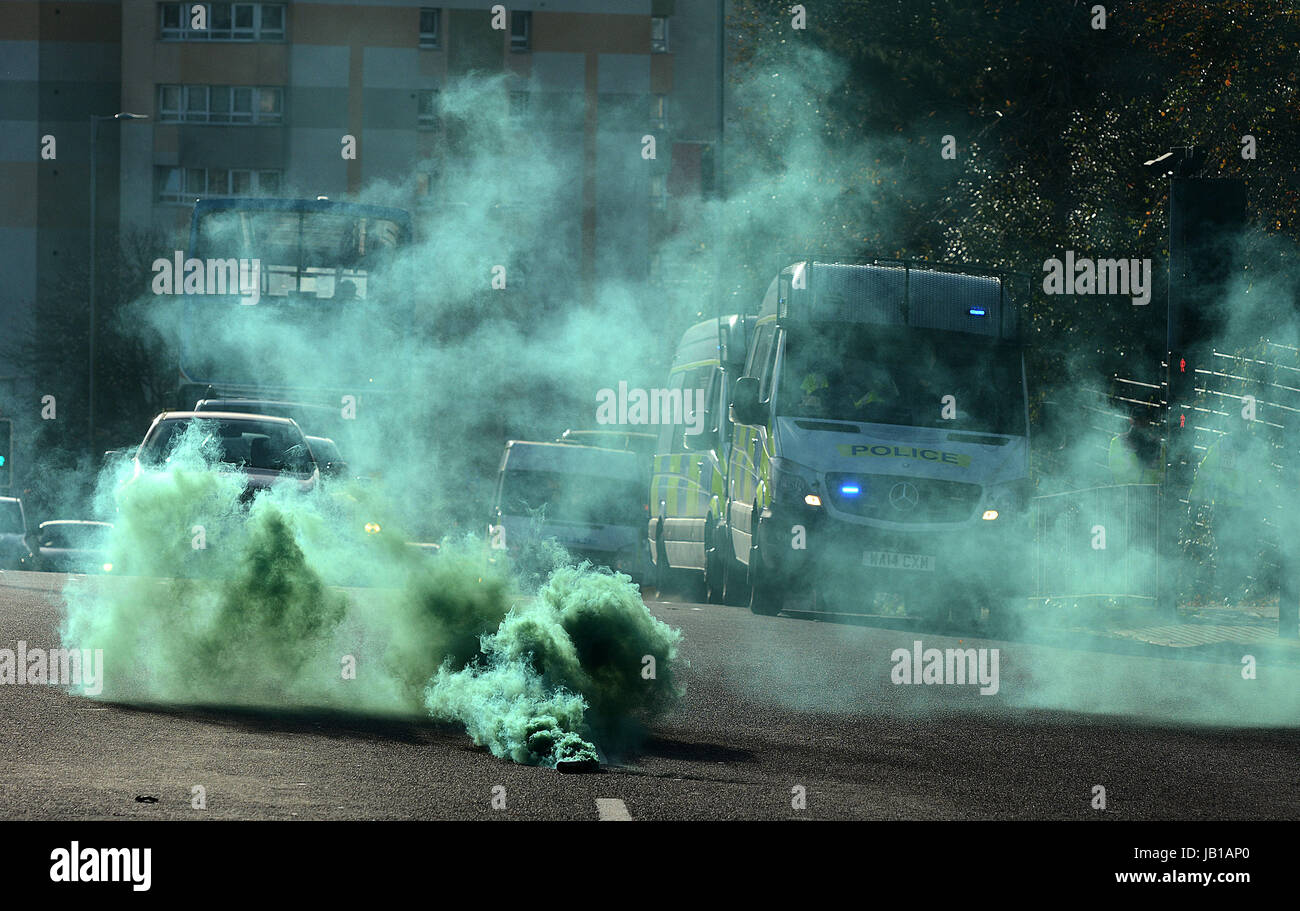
[{"x": 1137, "y": 455}]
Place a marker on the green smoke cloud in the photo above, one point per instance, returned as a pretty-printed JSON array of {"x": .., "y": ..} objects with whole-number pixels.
[
  {"x": 256, "y": 617},
  {"x": 578, "y": 656}
]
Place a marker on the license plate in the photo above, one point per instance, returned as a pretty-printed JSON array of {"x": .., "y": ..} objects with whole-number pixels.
[{"x": 886, "y": 559}]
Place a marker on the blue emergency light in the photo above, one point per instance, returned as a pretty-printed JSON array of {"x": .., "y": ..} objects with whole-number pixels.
[
  {"x": 977, "y": 311},
  {"x": 850, "y": 490}
]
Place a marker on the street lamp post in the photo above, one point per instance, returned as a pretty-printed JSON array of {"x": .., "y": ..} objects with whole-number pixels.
[{"x": 94, "y": 174}]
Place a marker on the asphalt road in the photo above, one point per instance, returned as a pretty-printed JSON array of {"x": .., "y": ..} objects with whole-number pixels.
[{"x": 772, "y": 705}]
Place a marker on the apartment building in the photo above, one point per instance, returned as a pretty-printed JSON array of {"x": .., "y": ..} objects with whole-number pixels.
[{"x": 256, "y": 97}]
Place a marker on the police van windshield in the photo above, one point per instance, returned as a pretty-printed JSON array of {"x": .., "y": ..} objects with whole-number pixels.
[{"x": 901, "y": 375}]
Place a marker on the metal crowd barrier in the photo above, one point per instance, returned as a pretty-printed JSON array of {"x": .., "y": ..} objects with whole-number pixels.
[{"x": 1100, "y": 542}]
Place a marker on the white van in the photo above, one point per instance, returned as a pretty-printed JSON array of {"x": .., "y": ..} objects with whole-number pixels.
[
  {"x": 688, "y": 485},
  {"x": 590, "y": 500},
  {"x": 881, "y": 440}
]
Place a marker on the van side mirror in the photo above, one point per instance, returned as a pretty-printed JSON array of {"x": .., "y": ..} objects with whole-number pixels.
[
  {"x": 745, "y": 406},
  {"x": 703, "y": 441}
]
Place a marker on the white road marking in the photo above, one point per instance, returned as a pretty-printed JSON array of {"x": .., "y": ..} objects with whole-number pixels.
[{"x": 611, "y": 809}]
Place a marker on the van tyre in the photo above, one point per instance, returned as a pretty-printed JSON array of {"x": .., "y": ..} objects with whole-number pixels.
[
  {"x": 735, "y": 581},
  {"x": 766, "y": 598},
  {"x": 926, "y": 605},
  {"x": 1007, "y": 616},
  {"x": 661, "y": 571},
  {"x": 714, "y": 571}
]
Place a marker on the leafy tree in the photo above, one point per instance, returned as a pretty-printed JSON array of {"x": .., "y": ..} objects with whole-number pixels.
[{"x": 1053, "y": 120}]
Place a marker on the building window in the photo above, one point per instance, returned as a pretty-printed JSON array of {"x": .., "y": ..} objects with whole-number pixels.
[
  {"x": 167, "y": 185},
  {"x": 269, "y": 104},
  {"x": 428, "y": 109},
  {"x": 170, "y": 20},
  {"x": 429, "y": 20},
  {"x": 658, "y": 191},
  {"x": 244, "y": 29},
  {"x": 184, "y": 185},
  {"x": 271, "y": 24},
  {"x": 241, "y": 104},
  {"x": 220, "y": 104},
  {"x": 196, "y": 103},
  {"x": 425, "y": 183},
  {"x": 658, "y": 111},
  {"x": 219, "y": 22},
  {"x": 518, "y": 104},
  {"x": 658, "y": 34},
  {"x": 225, "y": 22},
  {"x": 169, "y": 103},
  {"x": 521, "y": 31}
]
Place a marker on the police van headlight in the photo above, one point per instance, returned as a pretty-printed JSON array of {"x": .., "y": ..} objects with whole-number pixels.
[
  {"x": 793, "y": 484},
  {"x": 1003, "y": 501}
]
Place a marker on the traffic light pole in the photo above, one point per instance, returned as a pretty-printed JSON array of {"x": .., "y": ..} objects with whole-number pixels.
[{"x": 1206, "y": 215}]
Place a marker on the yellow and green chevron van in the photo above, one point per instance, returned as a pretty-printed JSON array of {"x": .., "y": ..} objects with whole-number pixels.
[
  {"x": 688, "y": 481},
  {"x": 880, "y": 441}
]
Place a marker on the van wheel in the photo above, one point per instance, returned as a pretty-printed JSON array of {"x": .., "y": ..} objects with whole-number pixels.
[
  {"x": 735, "y": 581},
  {"x": 927, "y": 605},
  {"x": 662, "y": 572},
  {"x": 714, "y": 581},
  {"x": 1006, "y": 617},
  {"x": 966, "y": 610},
  {"x": 766, "y": 598}
]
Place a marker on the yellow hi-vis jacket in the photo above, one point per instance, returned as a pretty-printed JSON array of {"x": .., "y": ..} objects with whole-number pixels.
[{"x": 1126, "y": 468}]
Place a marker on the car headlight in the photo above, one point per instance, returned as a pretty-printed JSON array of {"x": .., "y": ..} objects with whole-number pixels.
[
  {"x": 793, "y": 483},
  {"x": 372, "y": 528}
]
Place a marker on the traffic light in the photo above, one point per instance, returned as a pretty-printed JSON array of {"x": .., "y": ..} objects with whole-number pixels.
[
  {"x": 1182, "y": 383},
  {"x": 6, "y": 451}
]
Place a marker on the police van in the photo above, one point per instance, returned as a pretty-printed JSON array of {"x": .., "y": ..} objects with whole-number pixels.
[
  {"x": 881, "y": 440},
  {"x": 688, "y": 486}
]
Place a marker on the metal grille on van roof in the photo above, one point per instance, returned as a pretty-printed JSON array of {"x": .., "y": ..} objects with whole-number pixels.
[{"x": 900, "y": 295}]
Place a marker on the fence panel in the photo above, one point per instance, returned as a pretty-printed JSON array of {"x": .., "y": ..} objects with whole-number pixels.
[{"x": 1097, "y": 543}]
